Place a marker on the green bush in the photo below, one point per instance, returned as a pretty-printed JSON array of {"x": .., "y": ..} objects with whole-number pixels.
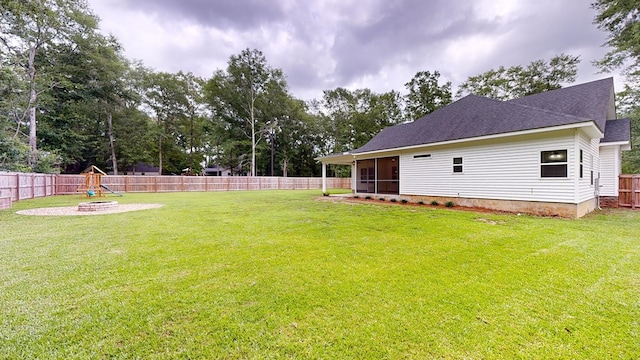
[
  {"x": 393, "y": 200},
  {"x": 420, "y": 202},
  {"x": 382, "y": 199},
  {"x": 368, "y": 197},
  {"x": 404, "y": 201},
  {"x": 449, "y": 204},
  {"x": 434, "y": 203}
]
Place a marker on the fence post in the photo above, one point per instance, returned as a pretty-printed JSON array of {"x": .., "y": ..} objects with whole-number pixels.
[
  {"x": 33, "y": 186},
  {"x": 633, "y": 191},
  {"x": 18, "y": 187}
]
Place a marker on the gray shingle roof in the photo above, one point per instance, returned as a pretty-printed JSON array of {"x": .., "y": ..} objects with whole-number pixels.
[
  {"x": 617, "y": 130},
  {"x": 475, "y": 116},
  {"x": 590, "y": 100}
]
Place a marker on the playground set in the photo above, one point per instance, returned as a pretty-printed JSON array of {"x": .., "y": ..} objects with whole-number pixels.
[{"x": 93, "y": 183}]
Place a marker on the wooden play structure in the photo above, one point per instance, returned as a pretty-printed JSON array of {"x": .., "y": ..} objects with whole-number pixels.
[{"x": 92, "y": 182}]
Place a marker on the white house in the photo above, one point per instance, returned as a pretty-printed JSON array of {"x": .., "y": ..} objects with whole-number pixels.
[{"x": 543, "y": 154}]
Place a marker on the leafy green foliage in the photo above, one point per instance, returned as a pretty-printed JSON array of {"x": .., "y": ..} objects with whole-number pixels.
[
  {"x": 628, "y": 105},
  {"x": 621, "y": 19},
  {"x": 517, "y": 81},
  {"x": 247, "y": 99},
  {"x": 351, "y": 118},
  {"x": 425, "y": 94},
  {"x": 28, "y": 31}
]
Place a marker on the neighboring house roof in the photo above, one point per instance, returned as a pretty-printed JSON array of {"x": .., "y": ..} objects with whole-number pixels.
[
  {"x": 474, "y": 116},
  {"x": 617, "y": 131},
  {"x": 143, "y": 167}
]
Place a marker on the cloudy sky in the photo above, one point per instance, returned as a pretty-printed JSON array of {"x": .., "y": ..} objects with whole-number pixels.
[{"x": 377, "y": 44}]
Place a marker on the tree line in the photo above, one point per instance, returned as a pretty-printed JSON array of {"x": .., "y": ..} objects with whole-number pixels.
[{"x": 69, "y": 99}]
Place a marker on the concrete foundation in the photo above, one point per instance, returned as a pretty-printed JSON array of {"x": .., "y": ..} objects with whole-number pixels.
[{"x": 513, "y": 206}]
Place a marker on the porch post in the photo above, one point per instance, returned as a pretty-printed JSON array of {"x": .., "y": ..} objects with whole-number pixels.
[
  {"x": 354, "y": 177},
  {"x": 324, "y": 178}
]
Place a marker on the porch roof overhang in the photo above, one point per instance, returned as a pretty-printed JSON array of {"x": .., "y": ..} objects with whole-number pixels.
[{"x": 345, "y": 158}]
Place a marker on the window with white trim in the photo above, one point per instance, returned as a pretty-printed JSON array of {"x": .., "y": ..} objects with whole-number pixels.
[
  {"x": 581, "y": 163},
  {"x": 457, "y": 165},
  {"x": 553, "y": 163}
]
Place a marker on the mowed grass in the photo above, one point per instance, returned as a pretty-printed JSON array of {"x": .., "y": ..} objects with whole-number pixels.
[{"x": 278, "y": 274}]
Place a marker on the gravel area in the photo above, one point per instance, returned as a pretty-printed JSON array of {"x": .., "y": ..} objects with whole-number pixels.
[{"x": 73, "y": 210}]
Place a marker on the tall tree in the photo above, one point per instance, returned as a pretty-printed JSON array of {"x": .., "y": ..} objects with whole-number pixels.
[
  {"x": 351, "y": 118},
  {"x": 166, "y": 98},
  {"x": 628, "y": 105},
  {"x": 622, "y": 20},
  {"x": 240, "y": 95},
  {"x": 27, "y": 29},
  {"x": 517, "y": 81},
  {"x": 426, "y": 94}
]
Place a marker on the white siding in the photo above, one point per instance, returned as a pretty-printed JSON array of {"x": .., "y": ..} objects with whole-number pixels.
[
  {"x": 591, "y": 162},
  {"x": 506, "y": 169},
  {"x": 610, "y": 169}
]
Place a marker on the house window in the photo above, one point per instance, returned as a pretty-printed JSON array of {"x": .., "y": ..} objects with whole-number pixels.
[
  {"x": 581, "y": 164},
  {"x": 553, "y": 163},
  {"x": 457, "y": 164}
]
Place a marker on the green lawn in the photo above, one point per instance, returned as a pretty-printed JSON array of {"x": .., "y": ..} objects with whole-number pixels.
[{"x": 277, "y": 274}]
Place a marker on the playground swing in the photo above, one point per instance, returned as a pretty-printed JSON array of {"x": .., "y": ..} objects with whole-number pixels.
[{"x": 92, "y": 183}]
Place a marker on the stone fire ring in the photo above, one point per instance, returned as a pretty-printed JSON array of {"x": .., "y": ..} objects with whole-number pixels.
[{"x": 97, "y": 205}]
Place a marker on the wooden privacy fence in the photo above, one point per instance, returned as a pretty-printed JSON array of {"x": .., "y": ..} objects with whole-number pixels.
[
  {"x": 20, "y": 186},
  {"x": 629, "y": 191},
  {"x": 68, "y": 184}
]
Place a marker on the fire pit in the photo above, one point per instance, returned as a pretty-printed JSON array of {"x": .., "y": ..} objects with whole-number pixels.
[{"x": 97, "y": 206}]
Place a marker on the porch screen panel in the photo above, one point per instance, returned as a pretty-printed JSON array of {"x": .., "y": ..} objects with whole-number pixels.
[
  {"x": 366, "y": 176},
  {"x": 388, "y": 181}
]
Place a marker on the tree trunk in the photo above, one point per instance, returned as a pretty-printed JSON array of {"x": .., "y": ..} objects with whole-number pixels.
[
  {"x": 160, "y": 154},
  {"x": 191, "y": 146},
  {"x": 285, "y": 165},
  {"x": 33, "y": 97},
  {"x": 272, "y": 153},
  {"x": 253, "y": 142},
  {"x": 113, "y": 149}
]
